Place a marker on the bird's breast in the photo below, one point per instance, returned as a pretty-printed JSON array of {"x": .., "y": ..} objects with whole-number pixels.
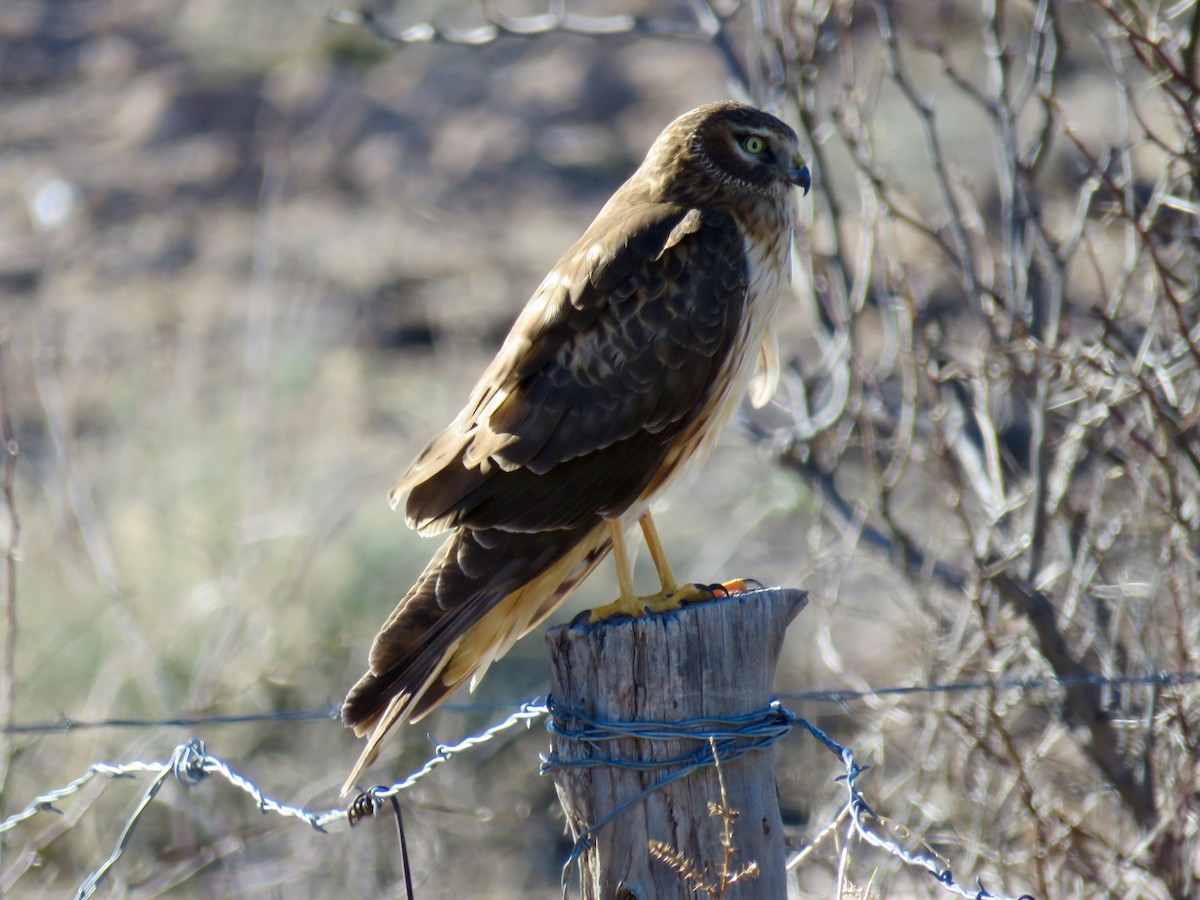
[{"x": 767, "y": 242}]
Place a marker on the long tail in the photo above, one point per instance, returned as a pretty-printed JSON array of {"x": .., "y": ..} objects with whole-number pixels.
[{"x": 481, "y": 592}]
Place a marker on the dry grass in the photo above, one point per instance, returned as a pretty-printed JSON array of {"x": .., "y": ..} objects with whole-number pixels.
[{"x": 248, "y": 263}]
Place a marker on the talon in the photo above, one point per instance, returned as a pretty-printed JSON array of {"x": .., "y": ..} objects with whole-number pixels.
[
  {"x": 723, "y": 589},
  {"x": 737, "y": 586},
  {"x": 692, "y": 593}
]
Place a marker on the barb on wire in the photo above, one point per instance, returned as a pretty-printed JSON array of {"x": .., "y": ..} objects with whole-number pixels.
[
  {"x": 46, "y": 802},
  {"x": 526, "y": 714}
]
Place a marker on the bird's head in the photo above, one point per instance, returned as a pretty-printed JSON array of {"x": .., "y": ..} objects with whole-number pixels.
[{"x": 721, "y": 153}]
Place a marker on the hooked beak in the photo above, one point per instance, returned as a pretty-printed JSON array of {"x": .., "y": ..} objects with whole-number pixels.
[{"x": 797, "y": 174}]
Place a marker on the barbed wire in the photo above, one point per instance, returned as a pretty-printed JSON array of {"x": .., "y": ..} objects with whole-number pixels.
[
  {"x": 858, "y": 808},
  {"x": 1025, "y": 683},
  {"x": 527, "y": 714},
  {"x": 724, "y": 739},
  {"x": 841, "y": 697},
  {"x": 557, "y": 20},
  {"x": 66, "y": 724},
  {"x": 190, "y": 763},
  {"x": 707, "y": 25}
]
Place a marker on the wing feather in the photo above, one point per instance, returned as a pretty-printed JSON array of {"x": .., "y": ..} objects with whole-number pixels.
[{"x": 618, "y": 351}]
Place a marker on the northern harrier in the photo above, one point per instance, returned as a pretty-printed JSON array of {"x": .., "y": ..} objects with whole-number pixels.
[{"x": 630, "y": 357}]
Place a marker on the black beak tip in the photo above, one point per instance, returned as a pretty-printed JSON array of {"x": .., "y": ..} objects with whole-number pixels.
[{"x": 803, "y": 179}]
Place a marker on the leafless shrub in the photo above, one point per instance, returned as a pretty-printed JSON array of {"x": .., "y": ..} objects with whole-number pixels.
[{"x": 1000, "y": 394}]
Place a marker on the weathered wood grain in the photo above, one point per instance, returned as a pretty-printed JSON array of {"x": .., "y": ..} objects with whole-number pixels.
[{"x": 708, "y": 659}]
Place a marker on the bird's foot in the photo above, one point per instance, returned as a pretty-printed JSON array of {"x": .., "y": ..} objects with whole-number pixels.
[
  {"x": 702, "y": 593},
  {"x": 665, "y": 601},
  {"x": 632, "y": 606}
]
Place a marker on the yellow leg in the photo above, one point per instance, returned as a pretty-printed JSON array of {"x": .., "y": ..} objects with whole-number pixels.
[
  {"x": 627, "y": 603},
  {"x": 672, "y": 596},
  {"x": 654, "y": 545},
  {"x": 624, "y": 569}
]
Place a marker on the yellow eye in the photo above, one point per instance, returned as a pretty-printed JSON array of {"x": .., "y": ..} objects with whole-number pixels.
[{"x": 754, "y": 144}]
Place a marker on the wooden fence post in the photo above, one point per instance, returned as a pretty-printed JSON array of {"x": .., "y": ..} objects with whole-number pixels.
[{"x": 713, "y": 659}]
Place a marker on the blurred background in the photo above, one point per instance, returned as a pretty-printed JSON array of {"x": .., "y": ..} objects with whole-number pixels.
[{"x": 251, "y": 260}]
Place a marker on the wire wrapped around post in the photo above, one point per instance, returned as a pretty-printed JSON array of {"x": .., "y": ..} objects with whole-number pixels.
[{"x": 704, "y": 667}]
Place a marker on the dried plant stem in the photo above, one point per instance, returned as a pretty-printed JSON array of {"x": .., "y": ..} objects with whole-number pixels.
[{"x": 8, "y": 651}]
